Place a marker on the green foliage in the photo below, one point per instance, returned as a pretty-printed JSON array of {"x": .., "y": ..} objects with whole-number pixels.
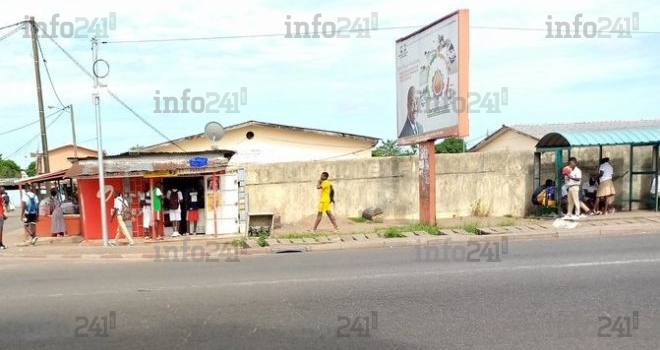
[
  {"x": 9, "y": 169},
  {"x": 303, "y": 235},
  {"x": 393, "y": 232},
  {"x": 31, "y": 169},
  {"x": 396, "y": 231},
  {"x": 261, "y": 241},
  {"x": 421, "y": 226},
  {"x": 136, "y": 148},
  {"x": 471, "y": 227},
  {"x": 389, "y": 148},
  {"x": 239, "y": 243},
  {"x": 450, "y": 145}
]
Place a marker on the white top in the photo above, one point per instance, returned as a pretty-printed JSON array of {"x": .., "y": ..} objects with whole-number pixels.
[
  {"x": 27, "y": 198},
  {"x": 576, "y": 173},
  {"x": 653, "y": 186},
  {"x": 608, "y": 171},
  {"x": 590, "y": 188},
  {"x": 119, "y": 204}
]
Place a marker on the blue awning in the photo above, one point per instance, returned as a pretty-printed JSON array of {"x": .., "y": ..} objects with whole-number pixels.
[{"x": 628, "y": 136}]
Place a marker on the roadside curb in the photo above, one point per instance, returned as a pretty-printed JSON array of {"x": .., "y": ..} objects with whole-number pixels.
[{"x": 363, "y": 241}]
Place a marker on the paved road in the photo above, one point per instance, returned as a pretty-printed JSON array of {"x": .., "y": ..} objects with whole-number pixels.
[{"x": 544, "y": 294}]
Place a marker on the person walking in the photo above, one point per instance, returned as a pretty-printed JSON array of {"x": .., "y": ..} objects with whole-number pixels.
[
  {"x": 122, "y": 212},
  {"x": 325, "y": 201},
  {"x": 573, "y": 181},
  {"x": 3, "y": 216},
  {"x": 30, "y": 214},
  {"x": 57, "y": 225}
]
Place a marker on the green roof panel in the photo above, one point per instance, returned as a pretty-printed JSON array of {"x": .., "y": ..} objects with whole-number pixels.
[{"x": 625, "y": 136}]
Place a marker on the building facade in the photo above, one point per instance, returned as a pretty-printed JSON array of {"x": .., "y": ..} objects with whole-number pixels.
[{"x": 258, "y": 143}]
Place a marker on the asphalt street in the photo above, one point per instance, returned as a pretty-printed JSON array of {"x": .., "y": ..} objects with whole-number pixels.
[{"x": 543, "y": 294}]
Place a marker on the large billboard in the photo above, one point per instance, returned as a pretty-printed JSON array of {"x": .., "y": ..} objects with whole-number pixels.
[{"x": 432, "y": 81}]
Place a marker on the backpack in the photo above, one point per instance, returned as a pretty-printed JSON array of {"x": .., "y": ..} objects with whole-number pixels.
[
  {"x": 332, "y": 194},
  {"x": 32, "y": 207},
  {"x": 174, "y": 200}
]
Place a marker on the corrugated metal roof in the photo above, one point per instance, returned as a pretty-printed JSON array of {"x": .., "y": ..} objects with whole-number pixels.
[
  {"x": 137, "y": 164},
  {"x": 539, "y": 130},
  {"x": 624, "y": 136},
  {"x": 56, "y": 175}
]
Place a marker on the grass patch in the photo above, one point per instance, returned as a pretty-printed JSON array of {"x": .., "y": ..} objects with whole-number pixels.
[
  {"x": 508, "y": 216},
  {"x": 239, "y": 243},
  {"x": 397, "y": 231},
  {"x": 302, "y": 235},
  {"x": 471, "y": 227},
  {"x": 393, "y": 232},
  {"x": 359, "y": 219},
  {"x": 507, "y": 222}
]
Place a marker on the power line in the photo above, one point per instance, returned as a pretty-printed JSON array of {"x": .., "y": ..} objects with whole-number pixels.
[
  {"x": 24, "y": 126},
  {"x": 144, "y": 120},
  {"x": 43, "y": 58},
  {"x": 37, "y": 136},
  {"x": 10, "y": 33},
  {"x": 15, "y": 24},
  {"x": 252, "y": 36},
  {"x": 335, "y": 32},
  {"x": 89, "y": 74}
]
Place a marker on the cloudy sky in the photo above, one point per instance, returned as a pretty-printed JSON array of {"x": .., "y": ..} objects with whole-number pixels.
[{"x": 343, "y": 84}]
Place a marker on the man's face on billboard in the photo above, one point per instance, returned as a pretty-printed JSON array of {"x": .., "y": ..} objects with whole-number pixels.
[{"x": 412, "y": 105}]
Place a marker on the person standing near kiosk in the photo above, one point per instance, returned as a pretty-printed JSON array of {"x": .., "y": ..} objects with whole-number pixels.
[{"x": 192, "y": 214}]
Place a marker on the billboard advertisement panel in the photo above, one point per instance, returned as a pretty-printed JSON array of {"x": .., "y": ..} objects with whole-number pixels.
[{"x": 432, "y": 81}]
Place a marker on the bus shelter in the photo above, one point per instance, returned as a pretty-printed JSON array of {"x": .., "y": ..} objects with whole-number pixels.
[{"x": 560, "y": 143}]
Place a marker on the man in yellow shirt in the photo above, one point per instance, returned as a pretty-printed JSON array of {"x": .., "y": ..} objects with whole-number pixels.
[{"x": 325, "y": 202}]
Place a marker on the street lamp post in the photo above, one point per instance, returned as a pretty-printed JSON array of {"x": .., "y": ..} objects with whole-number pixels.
[
  {"x": 99, "y": 141},
  {"x": 73, "y": 127}
]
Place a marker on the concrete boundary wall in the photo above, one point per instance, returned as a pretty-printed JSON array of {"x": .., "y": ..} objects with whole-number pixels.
[{"x": 494, "y": 183}]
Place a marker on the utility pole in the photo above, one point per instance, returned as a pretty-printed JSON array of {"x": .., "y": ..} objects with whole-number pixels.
[
  {"x": 99, "y": 143},
  {"x": 73, "y": 130},
  {"x": 40, "y": 98},
  {"x": 73, "y": 127}
]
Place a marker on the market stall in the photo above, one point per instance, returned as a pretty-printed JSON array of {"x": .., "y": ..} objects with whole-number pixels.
[{"x": 134, "y": 173}]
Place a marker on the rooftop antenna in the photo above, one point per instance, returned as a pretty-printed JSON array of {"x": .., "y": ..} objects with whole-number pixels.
[{"x": 214, "y": 131}]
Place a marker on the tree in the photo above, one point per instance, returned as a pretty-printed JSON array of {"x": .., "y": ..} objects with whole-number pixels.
[
  {"x": 31, "y": 169},
  {"x": 389, "y": 148},
  {"x": 9, "y": 169},
  {"x": 136, "y": 148},
  {"x": 450, "y": 145}
]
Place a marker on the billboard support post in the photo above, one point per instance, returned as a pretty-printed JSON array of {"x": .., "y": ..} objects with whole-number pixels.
[
  {"x": 427, "y": 182},
  {"x": 432, "y": 68}
]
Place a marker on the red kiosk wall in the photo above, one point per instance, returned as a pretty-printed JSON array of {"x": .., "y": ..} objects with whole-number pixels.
[{"x": 90, "y": 206}]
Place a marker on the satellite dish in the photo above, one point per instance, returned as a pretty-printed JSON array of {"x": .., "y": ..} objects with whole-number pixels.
[{"x": 214, "y": 131}]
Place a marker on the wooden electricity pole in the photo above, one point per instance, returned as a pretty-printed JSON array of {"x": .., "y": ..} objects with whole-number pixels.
[{"x": 40, "y": 98}]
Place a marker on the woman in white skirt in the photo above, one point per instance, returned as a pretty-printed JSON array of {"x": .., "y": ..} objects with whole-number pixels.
[{"x": 57, "y": 226}]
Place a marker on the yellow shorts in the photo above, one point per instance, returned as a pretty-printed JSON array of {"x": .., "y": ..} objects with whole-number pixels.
[{"x": 324, "y": 207}]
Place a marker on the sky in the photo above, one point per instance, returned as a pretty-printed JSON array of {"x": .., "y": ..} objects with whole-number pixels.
[{"x": 341, "y": 84}]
